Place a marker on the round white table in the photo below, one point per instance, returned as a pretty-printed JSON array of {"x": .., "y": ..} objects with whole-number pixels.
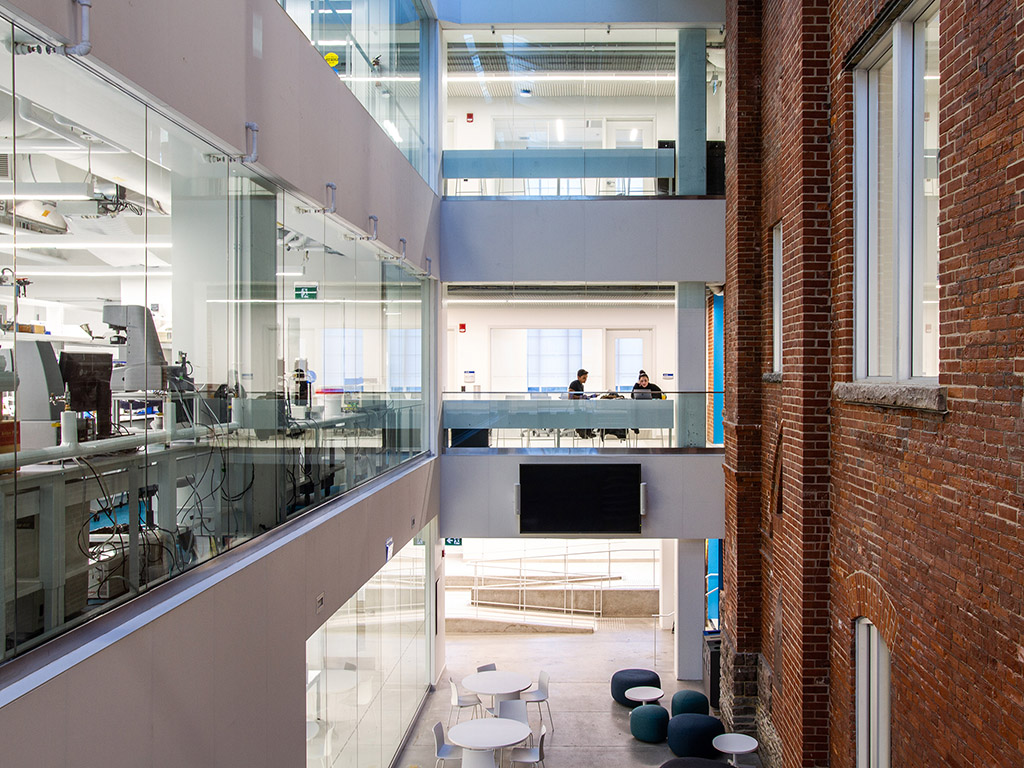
[
  {"x": 479, "y": 738},
  {"x": 734, "y": 744},
  {"x": 645, "y": 694},
  {"x": 498, "y": 683}
]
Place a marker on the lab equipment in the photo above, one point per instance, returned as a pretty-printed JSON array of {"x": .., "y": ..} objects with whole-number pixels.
[{"x": 142, "y": 361}]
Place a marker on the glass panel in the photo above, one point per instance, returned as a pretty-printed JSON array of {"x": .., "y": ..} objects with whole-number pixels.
[
  {"x": 926, "y": 239},
  {"x": 881, "y": 240},
  {"x": 376, "y": 49},
  {"x": 629, "y": 357}
]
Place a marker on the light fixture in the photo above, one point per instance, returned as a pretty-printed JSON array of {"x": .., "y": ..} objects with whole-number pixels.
[
  {"x": 392, "y": 131},
  {"x": 561, "y": 300},
  {"x": 290, "y": 274},
  {"x": 29, "y": 190},
  {"x": 81, "y": 245},
  {"x": 558, "y": 77},
  {"x": 90, "y": 273},
  {"x": 560, "y": 129}
]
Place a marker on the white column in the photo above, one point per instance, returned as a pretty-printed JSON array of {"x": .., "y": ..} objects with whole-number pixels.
[
  {"x": 691, "y": 364},
  {"x": 667, "y": 594},
  {"x": 689, "y": 608}
]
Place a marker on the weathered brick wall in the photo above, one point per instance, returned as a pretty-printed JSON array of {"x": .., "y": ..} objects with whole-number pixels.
[
  {"x": 910, "y": 518},
  {"x": 741, "y": 567}
]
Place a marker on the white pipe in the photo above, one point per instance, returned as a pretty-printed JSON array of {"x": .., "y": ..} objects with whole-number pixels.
[
  {"x": 83, "y": 47},
  {"x": 253, "y": 130},
  {"x": 107, "y": 445},
  {"x": 68, "y": 429}
]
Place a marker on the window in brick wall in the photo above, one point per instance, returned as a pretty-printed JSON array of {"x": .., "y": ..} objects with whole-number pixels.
[
  {"x": 872, "y": 692},
  {"x": 896, "y": 158},
  {"x": 777, "y": 297}
]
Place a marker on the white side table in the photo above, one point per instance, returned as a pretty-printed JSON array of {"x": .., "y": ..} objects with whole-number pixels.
[
  {"x": 645, "y": 694},
  {"x": 734, "y": 744}
]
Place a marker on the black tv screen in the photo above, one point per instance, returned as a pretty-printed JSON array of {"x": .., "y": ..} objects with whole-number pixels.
[{"x": 559, "y": 499}]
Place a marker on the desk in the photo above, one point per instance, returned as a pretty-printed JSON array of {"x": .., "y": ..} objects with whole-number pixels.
[
  {"x": 498, "y": 683},
  {"x": 734, "y": 744},
  {"x": 479, "y": 738},
  {"x": 645, "y": 694}
]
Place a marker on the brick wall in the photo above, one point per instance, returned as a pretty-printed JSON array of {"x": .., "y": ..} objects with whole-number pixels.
[{"x": 912, "y": 518}]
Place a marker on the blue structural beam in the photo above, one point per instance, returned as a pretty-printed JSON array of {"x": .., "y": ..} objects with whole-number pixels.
[{"x": 557, "y": 163}]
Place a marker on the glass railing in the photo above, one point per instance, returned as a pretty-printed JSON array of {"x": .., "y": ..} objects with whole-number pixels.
[
  {"x": 189, "y": 355},
  {"x": 540, "y": 172},
  {"x": 534, "y": 420}
]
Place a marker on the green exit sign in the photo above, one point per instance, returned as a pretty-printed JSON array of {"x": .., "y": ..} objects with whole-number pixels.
[
  {"x": 453, "y": 542},
  {"x": 307, "y": 292}
]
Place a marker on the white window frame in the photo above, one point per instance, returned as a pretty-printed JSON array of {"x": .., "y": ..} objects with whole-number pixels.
[
  {"x": 873, "y": 696},
  {"x": 908, "y": 174},
  {"x": 777, "y": 298}
]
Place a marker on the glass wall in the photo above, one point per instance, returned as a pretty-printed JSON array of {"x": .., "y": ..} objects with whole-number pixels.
[
  {"x": 189, "y": 356},
  {"x": 570, "y": 111},
  {"x": 367, "y": 667},
  {"x": 378, "y": 49}
]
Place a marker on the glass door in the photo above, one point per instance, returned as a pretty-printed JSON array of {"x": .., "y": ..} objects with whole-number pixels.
[{"x": 628, "y": 350}]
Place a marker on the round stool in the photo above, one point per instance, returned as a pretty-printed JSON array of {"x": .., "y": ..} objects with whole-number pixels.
[
  {"x": 690, "y": 735},
  {"x": 689, "y": 701},
  {"x": 649, "y": 723},
  {"x": 625, "y": 679}
]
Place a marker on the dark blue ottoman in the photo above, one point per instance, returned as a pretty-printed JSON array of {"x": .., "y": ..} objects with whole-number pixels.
[
  {"x": 625, "y": 679},
  {"x": 692, "y": 762},
  {"x": 689, "y": 701},
  {"x": 690, "y": 735},
  {"x": 649, "y": 723}
]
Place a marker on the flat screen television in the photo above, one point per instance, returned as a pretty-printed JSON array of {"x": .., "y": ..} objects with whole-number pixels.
[{"x": 562, "y": 499}]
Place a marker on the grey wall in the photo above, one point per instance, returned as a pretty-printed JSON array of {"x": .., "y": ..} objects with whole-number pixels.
[
  {"x": 223, "y": 63},
  {"x": 581, "y": 11},
  {"x": 583, "y": 240},
  {"x": 685, "y": 493},
  {"x": 214, "y": 676}
]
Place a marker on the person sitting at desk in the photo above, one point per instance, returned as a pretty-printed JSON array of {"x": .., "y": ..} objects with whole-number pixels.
[
  {"x": 644, "y": 390},
  {"x": 576, "y": 393}
]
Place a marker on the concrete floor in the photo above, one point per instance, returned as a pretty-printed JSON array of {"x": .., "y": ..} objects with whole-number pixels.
[{"x": 589, "y": 727}]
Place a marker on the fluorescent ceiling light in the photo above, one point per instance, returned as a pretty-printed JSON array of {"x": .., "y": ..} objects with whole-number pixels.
[
  {"x": 378, "y": 302},
  {"x": 28, "y": 190},
  {"x": 333, "y": 10},
  {"x": 561, "y": 78},
  {"x": 334, "y": 43},
  {"x": 88, "y": 273},
  {"x": 375, "y": 79},
  {"x": 290, "y": 274},
  {"x": 392, "y": 131},
  {"x": 81, "y": 245},
  {"x": 558, "y": 300},
  {"x": 560, "y": 129}
]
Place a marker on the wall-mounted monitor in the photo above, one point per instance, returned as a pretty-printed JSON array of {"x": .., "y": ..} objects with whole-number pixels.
[{"x": 562, "y": 499}]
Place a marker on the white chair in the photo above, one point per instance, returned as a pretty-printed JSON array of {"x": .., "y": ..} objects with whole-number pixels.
[
  {"x": 515, "y": 709},
  {"x": 533, "y": 755},
  {"x": 478, "y": 758},
  {"x": 487, "y": 668},
  {"x": 461, "y": 701},
  {"x": 442, "y": 750},
  {"x": 540, "y": 696}
]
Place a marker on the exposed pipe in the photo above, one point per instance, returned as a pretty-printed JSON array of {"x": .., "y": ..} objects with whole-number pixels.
[
  {"x": 252, "y": 137},
  {"x": 372, "y": 237},
  {"x": 333, "y": 189},
  {"x": 403, "y": 242},
  {"x": 429, "y": 260},
  {"x": 84, "y": 45}
]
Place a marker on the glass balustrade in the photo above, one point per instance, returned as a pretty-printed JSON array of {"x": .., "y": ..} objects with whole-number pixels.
[
  {"x": 189, "y": 355},
  {"x": 474, "y": 421}
]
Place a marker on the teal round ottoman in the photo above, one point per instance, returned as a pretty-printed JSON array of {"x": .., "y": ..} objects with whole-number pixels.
[
  {"x": 690, "y": 735},
  {"x": 689, "y": 701},
  {"x": 649, "y": 723},
  {"x": 625, "y": 679}
]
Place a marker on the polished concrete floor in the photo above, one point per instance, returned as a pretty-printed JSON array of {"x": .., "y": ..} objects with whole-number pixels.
[{"x": 590, "y": 729}]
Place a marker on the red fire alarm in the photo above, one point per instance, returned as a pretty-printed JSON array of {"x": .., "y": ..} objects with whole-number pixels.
[
  {"x": 462, "y": 327},
  {"x": 469, "y": 117}
]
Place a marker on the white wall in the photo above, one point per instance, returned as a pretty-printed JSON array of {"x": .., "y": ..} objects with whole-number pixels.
[
  {"x": 473, "y": 349},
  {"x": 685, "y": 493},
  {"x": 611, "y": 240}
]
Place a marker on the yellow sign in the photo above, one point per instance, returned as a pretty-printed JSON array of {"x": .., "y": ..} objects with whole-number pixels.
[{"x": 332, "y": 59}]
